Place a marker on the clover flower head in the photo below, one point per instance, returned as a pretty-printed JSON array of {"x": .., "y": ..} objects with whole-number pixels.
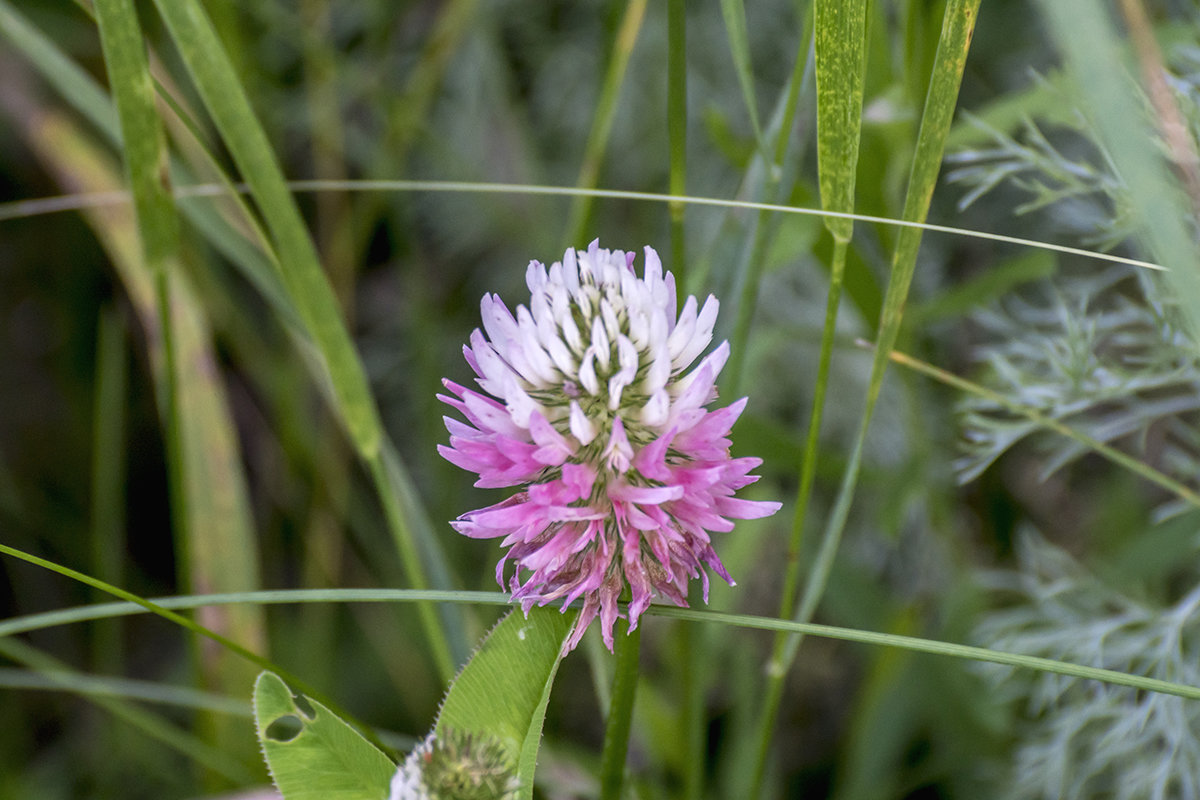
[
  {"x": 589, "y": 408},
  {"x": 456, "y": 766}
]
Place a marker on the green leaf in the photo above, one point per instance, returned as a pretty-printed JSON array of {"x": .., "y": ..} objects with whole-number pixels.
[
  {"x": 841, "y": 66},
  {"x": 311, "y": 752},
  {"x": 503, "y": 691}
]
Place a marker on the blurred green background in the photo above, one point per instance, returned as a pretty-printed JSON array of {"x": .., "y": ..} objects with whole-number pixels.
[{"x": 540, "y": 93}]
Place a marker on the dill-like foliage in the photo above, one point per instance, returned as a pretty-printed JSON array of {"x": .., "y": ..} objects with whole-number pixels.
[
  {"x": 1102, "y": 353},
  {"x": 1082, "y": 739}
]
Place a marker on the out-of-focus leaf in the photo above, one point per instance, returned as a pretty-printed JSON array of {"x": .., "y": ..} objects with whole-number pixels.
[{"x": 311, "y": 752}]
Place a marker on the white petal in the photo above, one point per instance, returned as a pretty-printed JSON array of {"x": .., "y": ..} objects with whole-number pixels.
[
  {"x": 581, "y": 427},
  {"x": 601, "y": 346},
  {"x": 519, "y": 404},
  {"x": 670, "y": 305},
  {"x": 561, "y": 356},
  {"x": 700, "y": 336},
  {"x": 571, "y": 334},
  {"x": 660, "y": 369},
  {"x": 657, "y": 409},
  {"x": 653, "y": 269},
  {"x": 639, "y": 328},
  {"x": 587, "y": 372},
  {"x": 711, "y": 365},
  {"x": 570, "y": 270},
  {"x": 497, "y": 321},
  {"x": 540, "y": 363},
  {"x": 682, "y": 332},
  {"x": 493, "y": 367},
  {"x": 627, "y": 357},
  {"x": 535, "y": 277}
]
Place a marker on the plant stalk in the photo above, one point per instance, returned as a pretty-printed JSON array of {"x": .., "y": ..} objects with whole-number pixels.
[{"x": 620, "y": 712}]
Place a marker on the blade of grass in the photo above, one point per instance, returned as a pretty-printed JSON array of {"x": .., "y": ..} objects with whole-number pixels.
[
  {"x": 219, "y": 87},
  {"x": 214, "y": 533},
  {"x": 210, "y": 512},
  {"x": 958, "y": 25},
  {"x": 840, "y": 47},
  {"x": 1093, "y": 53},
  {"x": 602, "y": 122},
  {"x": 307, "y": 284}
]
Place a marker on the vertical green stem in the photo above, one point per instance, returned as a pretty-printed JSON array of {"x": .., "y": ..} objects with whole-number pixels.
[
  {"x": 620, "y": 712},
  {"x": 693, "y": 721}
]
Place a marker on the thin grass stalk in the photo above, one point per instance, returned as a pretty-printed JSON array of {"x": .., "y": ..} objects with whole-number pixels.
[
  {"x": 935, "y": 123},
  {"x": 22, "y": 209},
  {"x": 166, "y": 605},
  {"x": 620, "y": 712},
  {"x": 776, "y": 671},
  {"x": 606, "y": 112}
]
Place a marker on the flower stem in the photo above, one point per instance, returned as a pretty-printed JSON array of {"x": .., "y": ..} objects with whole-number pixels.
[{"x": 620, "y": 713}]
